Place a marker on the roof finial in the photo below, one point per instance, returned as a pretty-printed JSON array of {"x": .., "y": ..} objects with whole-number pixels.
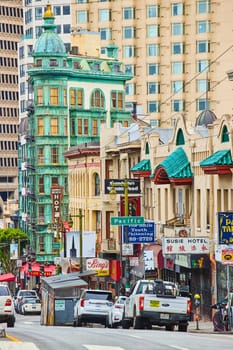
[{"x": 48, "y": 12}]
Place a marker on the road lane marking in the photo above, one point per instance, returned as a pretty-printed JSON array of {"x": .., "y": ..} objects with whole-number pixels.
[
  {"x": 17, "y": 346},
  {"x": 16, "y": 340},
  {"x": 101, "y": 347},
  {"x": 178, "y": 347}
]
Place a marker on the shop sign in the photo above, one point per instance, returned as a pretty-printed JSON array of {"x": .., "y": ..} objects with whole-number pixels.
[
  {"x": 101, "y": 266},
  {"x": 197, "y": 245},
  {"x": 225, "y": 227}
]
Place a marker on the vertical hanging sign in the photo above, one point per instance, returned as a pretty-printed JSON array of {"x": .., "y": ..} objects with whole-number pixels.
[{"x": 56, "y": 193}]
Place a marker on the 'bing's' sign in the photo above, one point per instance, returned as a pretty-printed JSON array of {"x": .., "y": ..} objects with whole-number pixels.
[{"x": 225, "y": 227}]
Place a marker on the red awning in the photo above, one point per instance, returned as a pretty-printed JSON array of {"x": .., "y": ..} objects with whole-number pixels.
[
  {"x": 49, "y": 270},
  {"x": 7, "y": 277}
]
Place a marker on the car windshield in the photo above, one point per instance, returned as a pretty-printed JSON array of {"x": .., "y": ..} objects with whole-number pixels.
[
  {"x": 99, "y": 296},
  {"x": 29, "y": 294}
]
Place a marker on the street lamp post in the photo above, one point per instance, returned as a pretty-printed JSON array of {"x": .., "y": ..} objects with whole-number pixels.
[
  {"x": 112, "y": 193},
  {"x": 70, "y": 223}
]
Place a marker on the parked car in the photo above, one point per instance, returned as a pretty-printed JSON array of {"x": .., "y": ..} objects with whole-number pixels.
[
  {"x": 117, "y": 311},
  {"x": 23, "y": 293},
  {"x": 30, "y": 306},
  {"x": 7, "y": 310},
  {"x": 94, "y": 306}
]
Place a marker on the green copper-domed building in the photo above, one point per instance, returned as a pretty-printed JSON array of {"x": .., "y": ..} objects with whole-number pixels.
[{"x": 73, "y": 94}]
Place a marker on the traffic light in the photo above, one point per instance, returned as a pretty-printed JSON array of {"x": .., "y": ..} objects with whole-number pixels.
[{"x": 42, "y": 270}]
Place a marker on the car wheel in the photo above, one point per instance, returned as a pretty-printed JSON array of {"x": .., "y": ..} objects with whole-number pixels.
[
  {"x": 11, "y": 323},
  {"x": 170, "y": 327},
  {"x": 182, "y": 327},
  {"x": 137, "y": 321}
]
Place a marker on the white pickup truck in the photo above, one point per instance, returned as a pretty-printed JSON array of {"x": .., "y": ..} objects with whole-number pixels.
[{"x": 156, "y": 303}]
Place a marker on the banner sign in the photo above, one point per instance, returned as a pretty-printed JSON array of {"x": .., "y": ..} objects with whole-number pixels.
[
  {"x": 133, "y": 186},
  {"x": 101, "y": 266},
  {"x": 197, "y": 245},
  {"x": 225, "y": 227}
]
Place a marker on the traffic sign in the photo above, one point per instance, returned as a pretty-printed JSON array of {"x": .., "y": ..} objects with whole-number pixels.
[{"x": 127, "y": 220}]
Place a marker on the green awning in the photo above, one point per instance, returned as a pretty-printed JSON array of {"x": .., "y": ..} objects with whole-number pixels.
[
  {"x": 143, "y": 165},
  {"x": 175, "y": 168},
  {"x": 222, "y": 157},
  {"x": 219, "y": 163}
]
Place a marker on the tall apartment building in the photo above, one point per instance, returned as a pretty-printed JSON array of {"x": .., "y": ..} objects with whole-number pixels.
[
  {"x": 11, "y": 28},
  {"x": 177, "y": 50}
]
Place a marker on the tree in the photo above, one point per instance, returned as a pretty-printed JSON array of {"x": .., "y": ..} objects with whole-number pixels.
[{"x": 7, "y": 237}]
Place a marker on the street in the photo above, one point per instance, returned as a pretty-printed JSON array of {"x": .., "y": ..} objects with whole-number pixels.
[{"x": 28, "y": 329}]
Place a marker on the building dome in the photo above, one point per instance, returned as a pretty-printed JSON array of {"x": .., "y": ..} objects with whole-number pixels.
[
  {"x": 49, "y": 41},
  {"x": 205, "y": 117}
]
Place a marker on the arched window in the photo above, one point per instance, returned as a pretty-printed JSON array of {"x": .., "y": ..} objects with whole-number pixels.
[
  {"x": 180, "y": 138},
  {"x": 97, "y": 184},
  {"x": 97, "y": 99},
  {"x": 147, "y": 148},
  {"x": 225, "y": 134}
]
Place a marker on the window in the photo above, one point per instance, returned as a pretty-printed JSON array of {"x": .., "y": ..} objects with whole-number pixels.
[
  {"x": 80, "y": 129},
  {"x": 54, "y": 126},
  {"x": 65, "y": 126},
  {"x": 153, "y": 31},
  {"x": 66, "y": 10},
  {"x": 130, "y": 68},
  {"x": 82, "y": 1},
  {"x": 117, "y": 100},
  {"x": 203, "y": 27},
  {"x": 40, "y": 126},
  {"x": 153, "y": 88},
  {"x": 129, "y": 32},
  {"x": 41, "y": 184},
  {"x": 177, "y": 9},
  {"x": 202, "y": 65},
  {"x": 38, "y": 31},
  {"x": 177, "y": 105},
  {"x": 202, "y": 104},
  {"x": 82, "y": 16},
  {"x": 153, "y": 50},
  {"x": 203, "y": 6},
  {"x": 128, "y": 13},
  {"x": 177, "y": 67},
  {"x": 57, "y": 10},
  {"x": 97, "y": 184},
  {"x": 65, "y": 97},
  {"x": 177, "y": 86},
  {"x": 105, "y": 34},
  {"x": 66, "y": 28},
  {"x": 86, "y": 127},
  {"x": 94, "y": 127},
  {"x": 177, "y": 29},
  {"x": 129, "y": 51},
  {"x": 41, "y": 245},
  {"x": 54, "y": 155},
  {"x": 104, "y": 15},
  {"x": 153, "y": 106},
  {"x": 40, "y": 155},
  {"x": 41, "y": 212},
  {"x": 54, "y": 96},
  {"x": 177, "y": 48},
  {"x": 202, "y": 85},
  {"x": 38, "y": 13},
  {"x": 97, "y": 99},
  {"x": 153, "y": 68},
  {"x": 39, "y": 96},
  {"x": 54, "y": 180},
  {"x": 203, "y": 46},
  {"x": 152, "y": 11},
  {"x": 130, "y": 89}
]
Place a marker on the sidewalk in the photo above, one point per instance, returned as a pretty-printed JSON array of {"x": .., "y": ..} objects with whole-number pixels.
[{"x": 204, "y": 327}]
